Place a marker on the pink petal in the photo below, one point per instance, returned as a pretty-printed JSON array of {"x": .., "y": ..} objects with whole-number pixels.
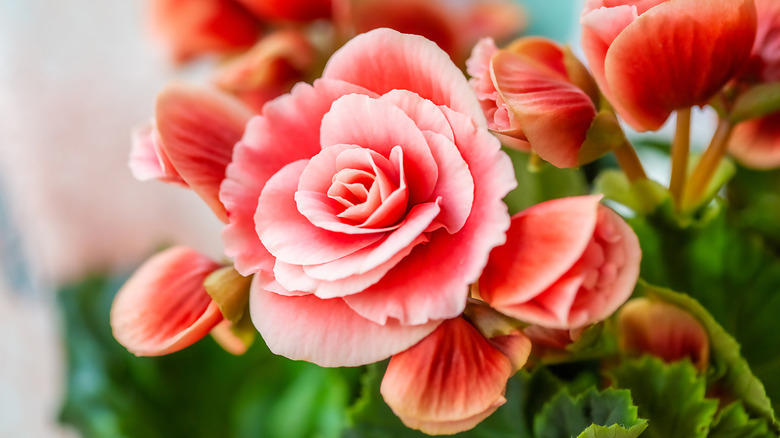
[
  {"x": 455, "y": 186},
  {"x": 448, "y": 382},
  {"x": 164, "y": 307},
  {"x": 383, "y": 60},
  {"x": 450, "y": 262},
  {"x": 327, "y": 332},
  {"x": 553, "y": 113},
  {"x": 361, "y": 261},
  {"x": 148, "y": 159},
  {"x": 292, "y": 120},
  {"x": 198, "y": 128},
  {"x": 425, "y": 114},
  {"x": 542, "y": 244},
  {"x": 709, "y": 40},
  {"x": 756, "y": 143},
  {"x": 288, "y": 235},
  {"x": 353, "y": 120}
]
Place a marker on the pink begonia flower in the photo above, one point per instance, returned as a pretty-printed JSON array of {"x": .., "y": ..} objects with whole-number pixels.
[
  {"x": 756, "y": 143},
  {"x": 663, "y": 330},
  {"x": 567, "y": 263},
  {"x": 191, "y": 28},
  {"x": 454, "y": 26},
  {"x": 289, "y": 10},
  {"x": 366, "y": 203},
  {"x": 536, "y": 92},
  {"x": 164, "y": 307},
  {"x": 191, "y": 141},
  {"x": 270, "y": 69},
  {"x": 452, "y": 379},
  {"x": 652, "y": 57}
]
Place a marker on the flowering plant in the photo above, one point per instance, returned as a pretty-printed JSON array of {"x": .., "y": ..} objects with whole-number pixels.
[{"x": 373, "y": 215}]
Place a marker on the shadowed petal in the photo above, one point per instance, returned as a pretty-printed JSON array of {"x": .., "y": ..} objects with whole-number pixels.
[
  {"x": 164, "y": 307},
  {"x": 198, "y": 128},
  {"x": 448, "y": 382}
]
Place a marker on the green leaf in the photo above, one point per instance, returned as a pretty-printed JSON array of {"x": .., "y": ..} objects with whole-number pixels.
[
  {"x": 643, "y": 196},
  {"x": 758, "y": 101},
  {"x": 730, "y": 273},
  {"x": 733, "y": 421},
  {"x": 201, "y": 391},
  {"x": 670, "y": 396},
  {"x": 544, "y": 184},
  {"x": 729, "y": 370},
  {"x": 567, "y": 416}
]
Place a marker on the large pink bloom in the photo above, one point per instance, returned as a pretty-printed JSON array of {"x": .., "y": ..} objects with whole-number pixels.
[
  {"x": 567, "y": 263},
  {"x": 651, "y": 57},
  {"x": 366, "y": 203}
]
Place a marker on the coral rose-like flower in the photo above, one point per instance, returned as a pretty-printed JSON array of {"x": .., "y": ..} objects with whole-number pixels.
[
  {"x": 537, "y": 91},
  {"x": 366, "y": 203},
  {"x": 652, "y": 57},
  {"x": 663, "y": 330},
  {"x": 452, "y": 379},
  {"x": 756, "y": 143},
  {"x": 190, "y": 28},
  {"x": 567, "y": 263},
  {"x": 164, "y": 306}
]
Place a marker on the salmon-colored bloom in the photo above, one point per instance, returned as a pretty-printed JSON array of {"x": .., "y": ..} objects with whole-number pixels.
[
  {"x": 269, "y": 69},
  {"x": 567, "y": 263},
  {"x": 191, "y": 28},
  {"x": 164, "y": 306},
  {"x": 191, "y": 141},
  {"x": 756, "y": 143},
  {"x": 342, "y": 192},
  {"x": 663, "y": 330},
  {"x": 652, "y": 57},
  {"x": 452, "y": 379},
  {"x": 536, "y": 91}
]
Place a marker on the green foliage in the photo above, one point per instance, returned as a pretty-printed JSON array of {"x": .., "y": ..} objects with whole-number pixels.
[
  {"x": 609, "y": 413},
  {"x": 541, "y": 184},
  {"x": 730, "y": 272},
  {"x": 201, "y": 391},
  {"x": 733, "y": 422},
  {"x": 670, "y": 396},
  {"x": 729, "y": 371}
]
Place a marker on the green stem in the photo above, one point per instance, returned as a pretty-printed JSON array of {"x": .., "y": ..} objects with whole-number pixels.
[
  {"x": 629, "y": 162},
  {"x": 680, "y": 152},
  {"x": 708, "y": 163}
]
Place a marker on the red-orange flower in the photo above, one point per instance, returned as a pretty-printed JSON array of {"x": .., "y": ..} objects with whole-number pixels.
[
  {"x": 651, "y": 57},
  {"x": 289, "y": 10},
  {"x": 536, "y": 91},
  {"x": 756, "y": 143},
  {"x": 190, "y": 28}
]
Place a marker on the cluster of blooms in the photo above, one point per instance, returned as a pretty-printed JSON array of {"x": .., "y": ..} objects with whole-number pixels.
[{"x": 364, "y": 212}]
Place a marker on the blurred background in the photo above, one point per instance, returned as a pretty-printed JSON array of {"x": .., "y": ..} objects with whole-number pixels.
[{"x": 75, "y": 78}]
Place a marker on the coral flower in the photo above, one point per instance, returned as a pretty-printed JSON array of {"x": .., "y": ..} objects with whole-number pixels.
[
  {"x": 756, "y": 143},
  {"x": 535, "y": 90},
  {"x": 567, "y": 263},
  {"x": 366, "y": 203},
  {"x": 164, "y": 306},
  {"x": 652, "y": 57},
  {"x": 190, "y": 28},
  {"x": 289, "y": 10},
  {"x": 452, "y": 379}
]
